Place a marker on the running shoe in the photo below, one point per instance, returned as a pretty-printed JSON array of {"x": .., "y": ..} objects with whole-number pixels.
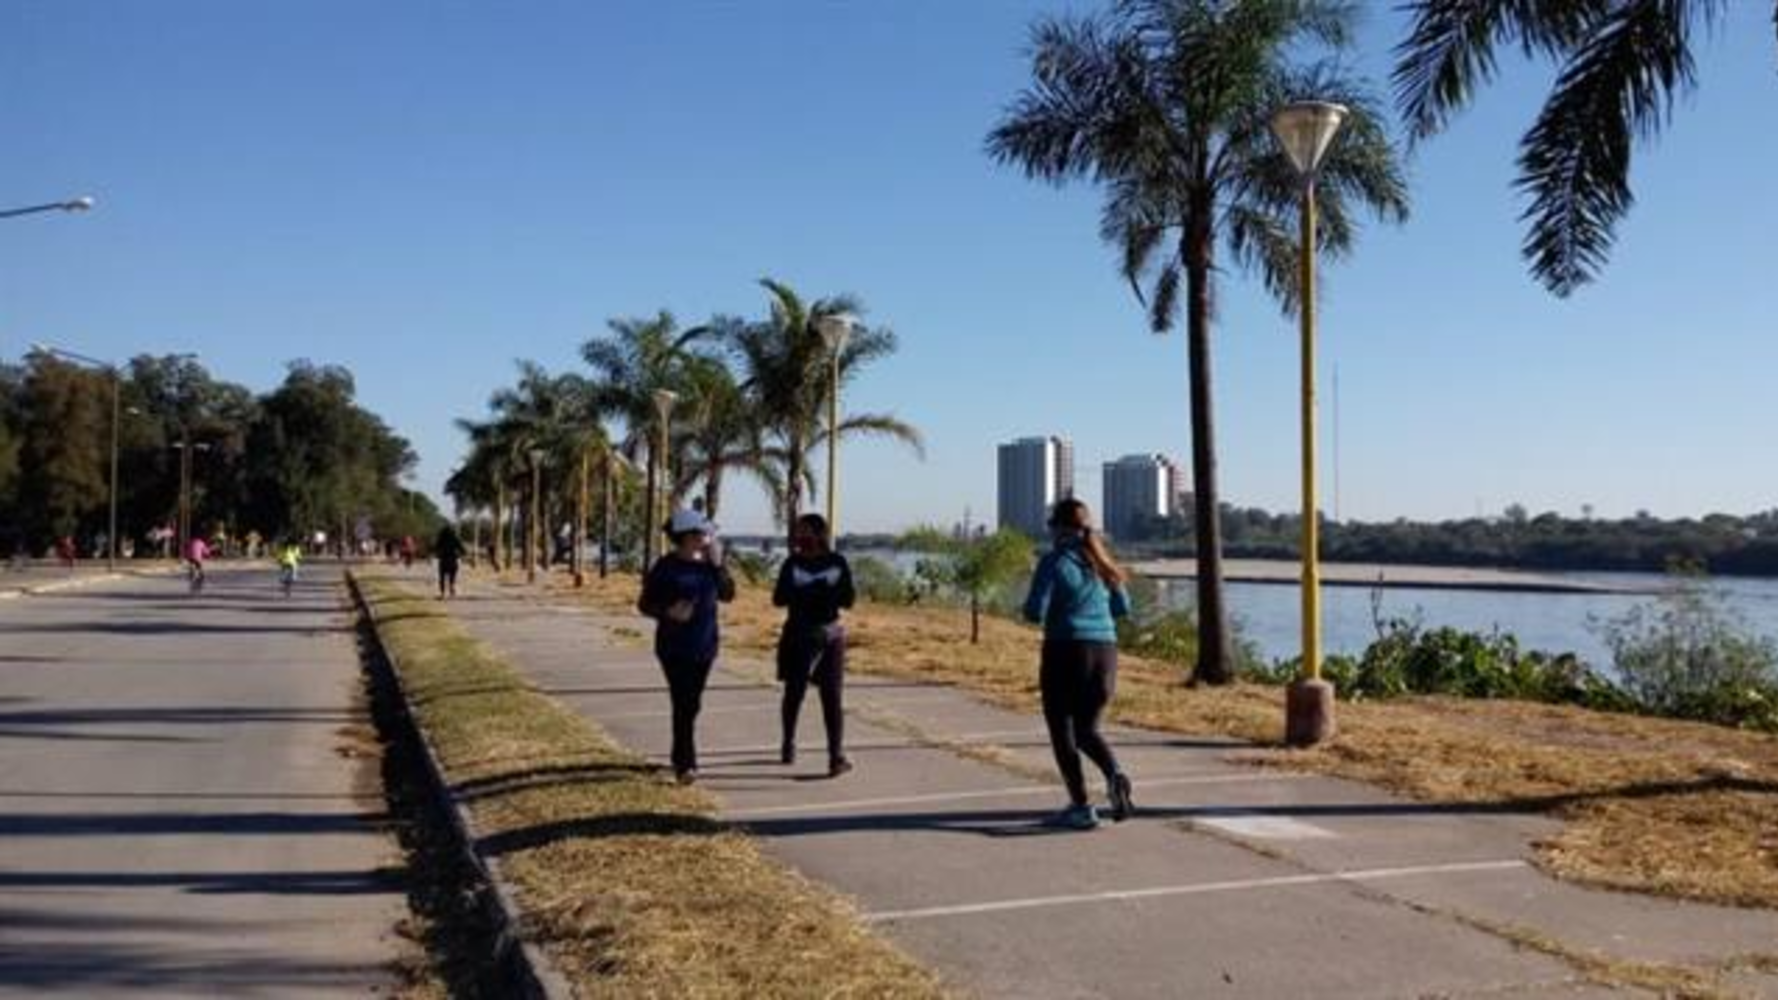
[
  {"x": 838, "y": 766},
  {"x": 1076, "y": 818},
  {"x": 787, "y": 754},
  {"x": 689, "y": 776},
  {"x": 1118, "y": 790}
]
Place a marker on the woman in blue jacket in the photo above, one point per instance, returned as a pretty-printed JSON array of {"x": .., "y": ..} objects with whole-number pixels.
[
  {"x": 1077, "y": 594},
  {"x": 680, "y": 593}
]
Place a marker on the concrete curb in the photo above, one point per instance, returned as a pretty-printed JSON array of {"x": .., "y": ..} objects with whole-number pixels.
[{"x": 522, "y": 965}]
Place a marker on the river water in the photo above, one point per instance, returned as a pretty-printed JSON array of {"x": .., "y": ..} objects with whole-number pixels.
[{"x": 1270, "y": 614}]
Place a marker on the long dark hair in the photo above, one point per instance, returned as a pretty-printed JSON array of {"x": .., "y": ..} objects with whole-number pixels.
[
  {"x": 816, "y": 525},
  {"x": 1073, "y": 514}
]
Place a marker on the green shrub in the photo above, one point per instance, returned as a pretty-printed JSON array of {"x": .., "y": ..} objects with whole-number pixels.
[
  {"x": 877, "y": 580},
  {"x": 1686, "y": 656}
]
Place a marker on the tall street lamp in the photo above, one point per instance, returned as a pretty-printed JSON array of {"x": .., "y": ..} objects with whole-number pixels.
[
  {"x": 185, "y": 448},
  {"x": 80, "y": 204},
  {"x": 532, "y": 553},
  {"x": 116, "y": 376},
  {"x": 659, "y": 469},
  {"x": 836, "y": 331},
  {"x": 1306, "y": 129}
]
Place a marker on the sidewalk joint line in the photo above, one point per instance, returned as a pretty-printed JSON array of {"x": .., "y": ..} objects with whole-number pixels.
[{"x": 1192, "y": 889}]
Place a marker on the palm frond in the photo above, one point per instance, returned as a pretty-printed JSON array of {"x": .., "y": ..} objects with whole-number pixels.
[
  {"x": 1449, "y": 53},
  {"x": 1575, "y": 162}
]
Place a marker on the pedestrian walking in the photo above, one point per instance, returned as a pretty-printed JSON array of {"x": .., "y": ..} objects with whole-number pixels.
[
  {"x": 447, "y": 548},
  {"x": 815, "y": 585},
  {"x": 67, "y": 551},
  {"x": 680, "y": 593},
  {"x": 1077, "y": 594}
]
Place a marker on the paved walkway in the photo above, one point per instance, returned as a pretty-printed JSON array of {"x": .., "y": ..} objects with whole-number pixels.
[
  {"x": 175, "y": 817},
  {"x": 1232, "y": 882}
]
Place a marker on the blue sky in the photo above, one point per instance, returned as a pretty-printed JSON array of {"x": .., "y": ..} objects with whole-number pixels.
[{"x": 426, "y": 191}]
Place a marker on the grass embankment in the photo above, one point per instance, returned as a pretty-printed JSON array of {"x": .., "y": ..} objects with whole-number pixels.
[
  {"x": 1671, "y": 808},
  {"x": 627, "y": 880}
]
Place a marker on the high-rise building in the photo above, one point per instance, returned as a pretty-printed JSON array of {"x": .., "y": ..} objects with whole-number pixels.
[
  {"x": 1139, "y": 490},
  {"x": 1178, "y": 492},
  {"x": 1035, "y": 472}
]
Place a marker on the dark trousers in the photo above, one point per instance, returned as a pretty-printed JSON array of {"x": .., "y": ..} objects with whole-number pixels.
[
  {"x": 821, "y": 657},
  {"x": 685, "y": 684},
  {"x": 1078, "y": 679},
  {"x": 447, "y": 576}
]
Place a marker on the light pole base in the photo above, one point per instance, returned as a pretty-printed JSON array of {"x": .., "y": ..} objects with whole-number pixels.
[{"x": 1308, "y": 713}]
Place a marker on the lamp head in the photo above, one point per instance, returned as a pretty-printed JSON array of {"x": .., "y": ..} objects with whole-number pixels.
[
  {"x": 835, "y": 329},
  {"x": 84, "y": 203},
  {"x": 1306, "y": 129}
]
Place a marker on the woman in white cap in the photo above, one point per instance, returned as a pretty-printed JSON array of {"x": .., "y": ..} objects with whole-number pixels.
[{"x": 680, "y": 593}]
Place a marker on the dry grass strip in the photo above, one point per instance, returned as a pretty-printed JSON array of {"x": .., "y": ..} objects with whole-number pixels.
[
  {"x": 1671, "y": 808},
  {"x": 628, "y": 880}
]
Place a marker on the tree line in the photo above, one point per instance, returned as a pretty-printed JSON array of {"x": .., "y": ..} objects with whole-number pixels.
[
  {"x": 301, "y": 458},
  {"x": 749, "y": 400},
  {"x": 1716, "y": 543}
]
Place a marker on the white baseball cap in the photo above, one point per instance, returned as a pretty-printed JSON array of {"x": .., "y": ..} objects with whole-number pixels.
[{"x": 687, "y": 520}]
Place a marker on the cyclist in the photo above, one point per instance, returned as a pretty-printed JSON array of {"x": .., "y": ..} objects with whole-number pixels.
[
  {"x": 290, "y": 556},
  {"x": 197, "y": 552}
]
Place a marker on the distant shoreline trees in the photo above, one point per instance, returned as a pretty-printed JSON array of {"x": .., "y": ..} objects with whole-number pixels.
[{"x": 1720, "y": 544}]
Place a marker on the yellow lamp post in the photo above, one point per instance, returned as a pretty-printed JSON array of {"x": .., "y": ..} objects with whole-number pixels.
[
  {"x": 836, "y": 331},
  {"x": 663, "y": 408},
  {"x": 1306, "y": 129}
]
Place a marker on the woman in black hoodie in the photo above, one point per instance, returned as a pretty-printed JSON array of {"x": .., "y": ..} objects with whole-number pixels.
[{"x": 815, "y": 584}]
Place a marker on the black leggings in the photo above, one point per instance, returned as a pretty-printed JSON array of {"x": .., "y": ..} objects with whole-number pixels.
[
  {"x": 1078, "y": 679},
  {"x": 447, "y": 576},
  {"x": 820, "y": 657},
  {"x": 685, "y": 684}
]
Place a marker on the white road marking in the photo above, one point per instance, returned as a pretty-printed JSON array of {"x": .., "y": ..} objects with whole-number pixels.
[
  {"x": 1267, "y": 827},
  {"x": 1200, "y": 888},
  {"x": 1201, "y": 778}
]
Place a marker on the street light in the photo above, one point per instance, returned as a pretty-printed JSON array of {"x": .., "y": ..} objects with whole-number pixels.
[
  {"x": 186, "y": 448},
  {"x": 531, "y": 546},
  {"x": 836, "y": 331},
  {"x": 80, "y": 204},
  {"x": 658, "y": 471},
  {"x": 1306, "y": 129},
  {"x": 116, "y": 407}
]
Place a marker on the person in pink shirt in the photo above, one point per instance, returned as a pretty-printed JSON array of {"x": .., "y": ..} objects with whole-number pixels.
[{"x": 197, "y": 552}]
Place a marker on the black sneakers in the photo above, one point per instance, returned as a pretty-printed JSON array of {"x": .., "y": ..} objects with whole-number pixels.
[{"x": 1118, "y": 790}]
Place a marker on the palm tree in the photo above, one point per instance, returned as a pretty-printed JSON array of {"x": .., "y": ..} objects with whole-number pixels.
[
  {"x": 487, "y": 472},
  {"x": 638, "y": 357},
  {"x": 1167, "y": 104},
  {"x": 786, "y": 373},
  {"x": 1622, "y": 62},
  {"x": 549, "y": 415},
  {"x": 721, "y": 433}
]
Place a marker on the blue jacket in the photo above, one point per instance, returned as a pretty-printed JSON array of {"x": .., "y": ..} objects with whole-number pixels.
[
  {"x": 673, "y": 580},
  {"x": 1070, "y": 600}
]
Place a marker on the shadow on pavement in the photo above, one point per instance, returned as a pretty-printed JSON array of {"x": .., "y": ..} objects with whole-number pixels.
[
  {"x": 182, "y": 823},
  {"x": 310, "y": 883}
]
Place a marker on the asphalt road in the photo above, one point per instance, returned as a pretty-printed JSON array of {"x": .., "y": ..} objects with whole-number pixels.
[{"x": 177, "y": 814}]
